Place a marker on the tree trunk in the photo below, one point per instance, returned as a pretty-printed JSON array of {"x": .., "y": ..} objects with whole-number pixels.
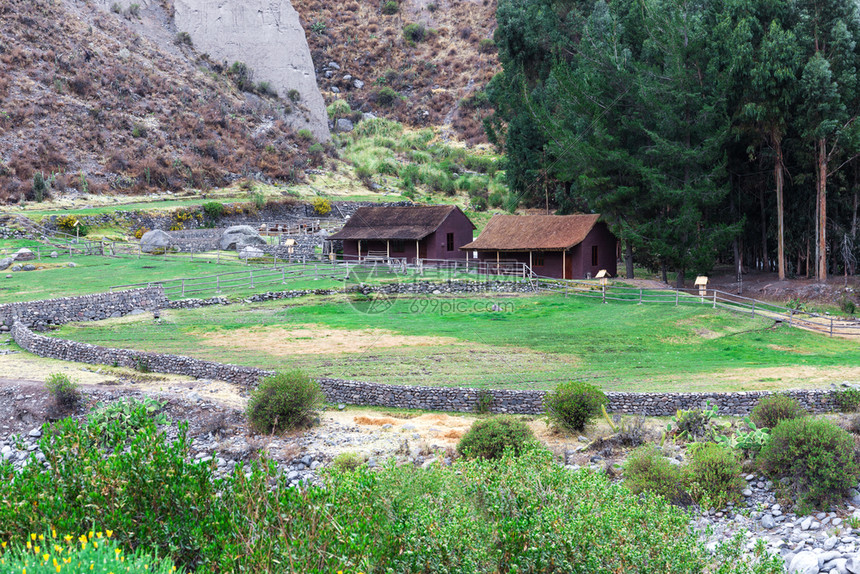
[
  {"x": 628, "y": 258},
  {"x": 679, "y": 278},
  {"x": 822, "y": 209},
  {"x": 765, "y": 264},
  {"x": 664, "y": 272},
  {"x": 778, "y": 178}
]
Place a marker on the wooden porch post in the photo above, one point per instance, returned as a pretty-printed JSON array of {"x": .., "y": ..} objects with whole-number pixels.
[
  {"x": 388, "y": 249},
  {"x": 497, "y": 262},
  {"x": 563, "y": 264},
  {"x": 531, "y": 267},
  {"x": 417, "y": 251},
  {"x": 359, "y": 249}
]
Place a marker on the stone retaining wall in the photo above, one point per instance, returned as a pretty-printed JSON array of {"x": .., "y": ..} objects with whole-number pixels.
[{"x": 41, "y": 314}]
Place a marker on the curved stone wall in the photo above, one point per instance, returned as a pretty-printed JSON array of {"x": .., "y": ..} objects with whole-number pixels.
[{"x": 339, "y": 390}]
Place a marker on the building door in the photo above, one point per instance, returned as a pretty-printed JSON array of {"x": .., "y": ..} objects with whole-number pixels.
[
  {"x": 568, "y": 265},
  {"x": 422, "y": 249}
]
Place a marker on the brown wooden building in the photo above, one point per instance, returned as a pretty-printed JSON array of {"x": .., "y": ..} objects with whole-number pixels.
[
  {"x": 426, "y": 232},
  {"x": 561, "y": 246}
]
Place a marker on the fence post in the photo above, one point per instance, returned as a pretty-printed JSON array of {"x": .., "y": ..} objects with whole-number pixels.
[
  {"x": 715, "y": 298},
  {"x": 640, "y": 295},
  {"x": 139, "y": 251},
  {"x": 183, "y": 287},
  {"x": 677, "y": 295},
  {"x": 283, "y": 275},
  {"x": 192, "y": 253},
  {"x": 252, "y": 277},
  {"x": 603, "y": 289},
  {"x": 790, "y": 315},
  {"x": 831, "y": 326},
  {"x": 217, "y": 283},
  {"x": 753, "y": 308},
  {"x": 39, "y": 253}
]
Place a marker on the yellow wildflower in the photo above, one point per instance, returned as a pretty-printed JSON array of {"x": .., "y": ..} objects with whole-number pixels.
[
  {"x": 95, "y": 544},
  {"x": 36, "y": 550},
  {"x": 53, "y": 532},
  {"x": 29, "y": 546},
  {"x": 41, "y": 537},
  {"x": 67, "y": 538},
  {"x": 109, "y": 533},
  {"x": 45, "y": 557},
  {"x": 32, "y": 537},
  {"x": 91, "y": 534}
]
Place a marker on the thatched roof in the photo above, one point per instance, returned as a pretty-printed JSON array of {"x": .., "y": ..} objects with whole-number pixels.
[
  {"x": 413, "y": 222},
  {"x": 533, "y": 232}
]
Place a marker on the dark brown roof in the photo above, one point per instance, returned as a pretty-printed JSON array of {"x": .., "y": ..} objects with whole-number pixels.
[
  {"x": 533, "y": 232},
  {"x": 412, "y": 222}
]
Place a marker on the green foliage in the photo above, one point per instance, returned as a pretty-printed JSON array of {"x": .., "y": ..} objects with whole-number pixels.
[
  {"x": 521, "y": 513},
  {"x": 484, "y": 402},
  {"x": 848, "y": 400},
  {"x": 414, "y": 33},
  {"x": 184, "y": 39},
  {"x": 692, "y": 424},
  {"x": 487, "y": 45},
  {"x": 847, "y": 305},
  {"x": 387, "y": 96},
  {"x": 390, "y": 7},
  {"x": 134, "y": 10},
  {"x": 213, "y": 210},
  {"x": 40, "y": 186},
  {"x": 305, "y": 134},
  {"x": 816, "y": 455},
  {"x": 490, "y": 438},
  {"x": 378, "y": 127},
  {"x": 126, "y": 416},
  {"x": 647, "y": 470},
  {"x": 572, "y": 405},
  {"x": 90, "y": 553},
  {"x": 338, "y": 109},
  {"x": 283, "y": 402},
  {"x": 750, "y": 441},
  {"x": 242, "y": 76},
  {"x": 714, "y": 474},
  {"x": 319, "y": 27},
  {"x": 347, "y": 461},
  {"x": 294, "y": 95},
  {"x": 265, "y": 89},
  {"x": 772, "y": 409},
  {"x": 63, "y": 389},
  {"x": 72, "y": 225},
  {"x": 321, "y": 206}
]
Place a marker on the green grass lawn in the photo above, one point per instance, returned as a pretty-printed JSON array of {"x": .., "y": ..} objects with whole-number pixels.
[{"x": 533, "y": 342}]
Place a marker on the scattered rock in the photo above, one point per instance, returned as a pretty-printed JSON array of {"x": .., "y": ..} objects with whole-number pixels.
[
  {"x": 24, "y": 254},
  {"x": 155, "y": 240},
  {"x": 238, "y": 237}
]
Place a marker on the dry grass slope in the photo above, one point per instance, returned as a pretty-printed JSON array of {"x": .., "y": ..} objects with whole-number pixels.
[
  {"x": 434, "y": 75},
  {"x": 87, "y": 91}
]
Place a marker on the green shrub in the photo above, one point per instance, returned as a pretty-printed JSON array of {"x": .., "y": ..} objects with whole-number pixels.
[
  {"x": 63, "y": 389},
  {"x": 491, "y": 437},
  {"x": 90, "y": 553},
  {"x": 40, "y": 186},
  {"x": 265, "y": 89},
  {"x": 134, "y": 10},
  {"x": 305, "y": 134},
  {"x": 647, "y": 470},
  {"x": 347, "y": 461},
  {"x": 242, "y": 76},
  {"x": 338, "y": 109},
  {"x": 484, "y": 402},
  {"x": 284, "y": 401},
  {"x": 71, "y": 225},
  {"x": 848, "y": 400},
  {"x": 847, "y": 305},
  {"x": 183, "y": 38},
  {"x": 294, "y": 95},
  {"x": 714, "y": 473},
  {"x": 487, "y": 46},
  {"x": 572, "y": 405},
  {"x": 321, "y": 206},
  {"x": 386, "y": 96},
  {"x": 414, "y": 33},
  {"x": 213, "y": 210},
  {"x": 391, "y": 7},
  {"x": 772, "y": 409},
  {"x": 691, "y": 424},
  {"x": 816, "y": 455},
  {"x": 125, "y": 416}
]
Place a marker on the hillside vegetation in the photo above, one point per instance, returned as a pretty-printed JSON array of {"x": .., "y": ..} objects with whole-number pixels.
[{"x": 95, "y": 103}]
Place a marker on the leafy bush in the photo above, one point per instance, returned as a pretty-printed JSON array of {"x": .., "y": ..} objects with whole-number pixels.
[
  {"x": 242, "y": 76},
  {"x": 63, "y": 390},
  {"x": 391, "y": 7},
  {"x": 490, "y": 438},
  {"x": 71, "y": 225},
  {"x": 750, "y": 441},
  {"x": 414, "y": 33},
  {"x": 847, "y": 305},
  {"x": 484, "y": 402},
  {"x": 305, "y": 134},
  {"x": 647, "y": 470},
  {"x": 91, "y": 553},
  {"x": 521, "y": 513},
  {"x": 347, "y": 461},
  {"x": 213, "y": 210},
  {"x": 125, "y": 416},
  {"x": 772, "y": 409},
  {"x": 848, "y": 400},
  {"x": 692, "y": 424},
  {"x": 284, "y": 401},
  {"x": 40, "y": 186},
  {"x": 338, "y": 109},
  {"x": 321, "y": 206},
  {"x": 487, "y": 46},
  {"x": 386, "y": 96},
  {"x": 294, "y": 95},
  {"x": 183, "y": 38},
  {"x": 816, "y": 455},
  {"x": 265, "y": 89},
  {"x": 572, "y": 405},
  {"x": 714, "y": 473}
]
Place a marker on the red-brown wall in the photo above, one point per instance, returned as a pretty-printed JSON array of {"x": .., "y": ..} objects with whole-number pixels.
[{"x": 578, "y": 258}]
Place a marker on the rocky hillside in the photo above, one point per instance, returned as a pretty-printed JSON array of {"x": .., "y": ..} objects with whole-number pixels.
[
  {"x": 422, "y": 62},
  {"x": 99, "y": 98}
]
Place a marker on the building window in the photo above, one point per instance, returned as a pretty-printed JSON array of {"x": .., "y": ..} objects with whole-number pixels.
[
  {"x": 594, "y": 255},
  {"x": 538, "y": 259},
  {"x": 397, "y": 246},
  {"x": 450, "y": 242}
]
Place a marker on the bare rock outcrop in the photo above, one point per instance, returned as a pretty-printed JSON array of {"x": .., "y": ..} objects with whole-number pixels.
[{"x": 267, "y": 36}]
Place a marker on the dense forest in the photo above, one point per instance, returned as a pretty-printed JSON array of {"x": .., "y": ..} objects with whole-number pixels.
[{"x": 705, "y": 131}]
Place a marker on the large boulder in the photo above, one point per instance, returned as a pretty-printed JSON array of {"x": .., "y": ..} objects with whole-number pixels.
[
  {"x": 6, "y": 262},
  {"x": 240, "y": 236},
  {"x": 250, "y": 252},
  {"x": 155, "y": 240},
  {"x": 24, "y": 254}
]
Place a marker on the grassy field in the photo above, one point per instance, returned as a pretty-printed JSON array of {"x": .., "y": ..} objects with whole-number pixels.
[{"x": 532, "y": 342}]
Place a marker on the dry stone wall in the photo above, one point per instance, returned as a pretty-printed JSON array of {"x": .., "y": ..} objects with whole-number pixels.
[
  {"x": 40, "y": 315},
  {"x": 23, "y": 316}
]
